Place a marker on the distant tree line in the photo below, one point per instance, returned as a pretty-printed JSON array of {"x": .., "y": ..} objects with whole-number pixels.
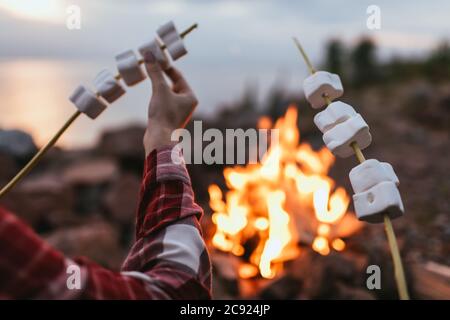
[{"x": 359, "y": 66}]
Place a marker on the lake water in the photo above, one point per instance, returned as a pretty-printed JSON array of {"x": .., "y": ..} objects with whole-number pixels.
[{"x": 34, "y": 94}]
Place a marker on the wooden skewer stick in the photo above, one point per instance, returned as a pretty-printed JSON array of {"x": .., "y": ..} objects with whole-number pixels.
[
  {"x": 398, "y": 266},
  {"x": 304, "y": 55},
  {"x": 38, "y": 156},
  {"x": 30, "y": 165},
  {"x": 163, "y": 47}
]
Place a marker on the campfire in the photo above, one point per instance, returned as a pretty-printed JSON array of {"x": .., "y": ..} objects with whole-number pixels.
[{"x": 287, "y": 201}]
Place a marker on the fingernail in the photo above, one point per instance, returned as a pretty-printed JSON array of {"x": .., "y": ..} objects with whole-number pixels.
[{"x": 149, "y": 57}]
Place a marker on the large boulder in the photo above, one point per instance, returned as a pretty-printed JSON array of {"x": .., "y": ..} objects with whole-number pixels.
[
  {"x": 90, "y": 172},
  {"x": 125, "y": 145},
  {"x": 123, "y": 142},
  {"x": 17, "y": 144},
  {"x": 44, "y": 201},
  {"x": 8, "y": 167}
]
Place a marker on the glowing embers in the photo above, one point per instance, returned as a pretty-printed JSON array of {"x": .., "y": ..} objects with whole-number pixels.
[{"x": 286, "y": 200}]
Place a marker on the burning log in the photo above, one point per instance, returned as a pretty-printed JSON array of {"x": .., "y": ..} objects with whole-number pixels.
[{"x": 308, "y": 276}]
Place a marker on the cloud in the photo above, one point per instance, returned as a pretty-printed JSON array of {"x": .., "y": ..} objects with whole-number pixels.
[
  {"x": 231, "y": 9},
  {"x": 51, "y": 11},
  {"x": 402, "y": 40},
  {"x": 168, "y": 8},
  {"x": 261, "y": 29}
]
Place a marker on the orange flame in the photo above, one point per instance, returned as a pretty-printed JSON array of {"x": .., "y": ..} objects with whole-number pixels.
[{"x": 287, "y": 196}]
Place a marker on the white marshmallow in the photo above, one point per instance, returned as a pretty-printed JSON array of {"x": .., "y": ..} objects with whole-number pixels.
[
  {"x": 373, "y": 204},
  {"x": 177, "y": 49},
  {"x": 337, "y": 112},
  {"x": 339, "y": 138},
  {"x": 155, "y": 48},
  {"x": 129, "y": 69},
  {"x": 370, "y": 173},
  {"x": 87, "y": 102},
  {"x": 108, "y": 86},
  {"x": 391, "y": 173},
  {"x": 321, "y": 84},
  {"x": 167, "y": 30},
  {"x": 172, "y": 40}
]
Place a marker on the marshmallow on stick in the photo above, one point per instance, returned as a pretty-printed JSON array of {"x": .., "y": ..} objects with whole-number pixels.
[
  {"x": 379, "y": 199},
  {"x": 341, "y": 126},
  {"x": 108, "y": 86},
  {"x": 89, "y": 103},
  {"x": 129, "y": 67},
  {"x": 376, "y": 194},
  {"x": 322, "y": 84},
  {"x": 155, "y": 48},
  {"x": 172, "y": 40}
]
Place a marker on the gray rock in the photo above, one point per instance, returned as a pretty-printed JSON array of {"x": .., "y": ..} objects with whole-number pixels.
[
  {"x": 90, "y": 172},
  {"x": 44, "y": 201},
  {"x": 17, "y": 143},
  {"x": 123, "y": 142}
]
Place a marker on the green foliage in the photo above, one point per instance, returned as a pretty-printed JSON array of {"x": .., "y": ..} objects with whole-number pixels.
[
  {"x": 365, "y": 68},
  {"x": 358, "y": 66},
  {"x": 437, "y": 66},
  {"x": 335, "y": 57}
]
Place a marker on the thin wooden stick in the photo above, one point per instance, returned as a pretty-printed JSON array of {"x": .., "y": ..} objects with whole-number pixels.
[
  {"x": 395, "y": 252},
  {"x": 304, "y": 55},
  {"x": 398, "y": 265},
  {"x": 186, "y": 32},
  {"x": 38, "y": 156},
  {"x": 358, "y": 153}
]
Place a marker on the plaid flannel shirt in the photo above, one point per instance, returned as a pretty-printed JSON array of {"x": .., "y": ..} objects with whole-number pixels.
[{"x": 167, "y": 261}]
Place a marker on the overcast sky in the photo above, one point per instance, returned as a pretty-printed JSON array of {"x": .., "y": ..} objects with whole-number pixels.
[
  {"x": 246, "y": 30},
  {"x": 237, "y": 43}
]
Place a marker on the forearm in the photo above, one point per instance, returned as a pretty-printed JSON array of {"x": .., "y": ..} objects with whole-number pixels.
[
  {"x": 168, "y": 260},
  {"x": 29, "y": 267},
  {"x": 169, "y": 247}
]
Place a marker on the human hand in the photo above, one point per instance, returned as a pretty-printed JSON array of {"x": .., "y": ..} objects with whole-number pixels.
[{"x": 170, "y": 107}]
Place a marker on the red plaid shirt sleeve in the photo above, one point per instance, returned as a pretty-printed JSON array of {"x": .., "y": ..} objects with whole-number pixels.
[{"x": 168, "y": 260}]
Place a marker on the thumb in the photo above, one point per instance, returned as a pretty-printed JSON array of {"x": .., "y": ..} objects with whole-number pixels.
[{"x": 154, "y": 70}]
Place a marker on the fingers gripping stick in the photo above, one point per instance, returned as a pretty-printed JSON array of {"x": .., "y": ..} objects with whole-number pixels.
[
  {"x": 154, "y": 47},
  {"x": 109, "y": 89}
]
